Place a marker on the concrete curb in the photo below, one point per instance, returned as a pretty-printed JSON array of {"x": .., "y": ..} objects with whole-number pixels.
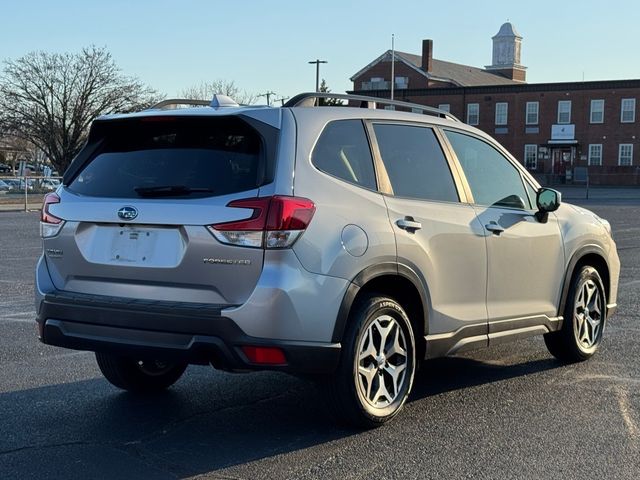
[{"x": 14, "y": 207}]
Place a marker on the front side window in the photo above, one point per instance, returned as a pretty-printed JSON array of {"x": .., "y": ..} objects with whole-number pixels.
[
  {"x": 625, "y": 154},
  {"x": 628, "y": 110},
  {"x": 597, "y": 111},
  {"x": 502, "y": 109},
  {"x": 531, "y": 156},
  {"x": 343, "y": 151},
  {"x": 493, "y": 180},
  {"x": 473, "y": 113},
  {"x": 532, "y": 113},
  {"x": 564, "y": 111},
  {"x": 595, "y": 154},
  {"x": 415, "y": 163}
]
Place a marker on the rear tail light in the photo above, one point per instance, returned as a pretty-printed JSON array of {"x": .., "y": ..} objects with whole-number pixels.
[
  {"x": 276, "y": 222},
  {"x": 50, "y": 225}
]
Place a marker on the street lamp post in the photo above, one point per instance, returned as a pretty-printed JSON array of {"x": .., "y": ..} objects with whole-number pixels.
[{"x": 318, "y": 62}]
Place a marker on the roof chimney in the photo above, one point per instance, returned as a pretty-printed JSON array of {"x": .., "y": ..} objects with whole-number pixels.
[{"x": 427, "y": 55}]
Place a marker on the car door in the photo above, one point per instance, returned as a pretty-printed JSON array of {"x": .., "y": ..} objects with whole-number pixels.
[
  {"x": 437, "y": 234},
  {"x": 525, "y": 256}
]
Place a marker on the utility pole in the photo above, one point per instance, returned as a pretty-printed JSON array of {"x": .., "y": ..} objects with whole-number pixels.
[
  {"x": 268, "y": 95},
  {"x": 281, "y": 100},
  {"x": 393, "y": 64},
  {"x": 318, "y": 62}
]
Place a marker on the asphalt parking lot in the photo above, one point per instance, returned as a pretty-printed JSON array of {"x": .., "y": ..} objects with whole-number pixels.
[{"x": 505, "y": 412}]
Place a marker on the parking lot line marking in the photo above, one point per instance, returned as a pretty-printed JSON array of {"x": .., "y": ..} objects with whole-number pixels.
[
  {"x": 628, "y": 284},
  {"x": 625, "y": 410}
]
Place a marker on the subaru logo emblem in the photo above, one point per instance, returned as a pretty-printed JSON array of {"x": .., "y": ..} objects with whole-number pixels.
[{"x": 127, "y": 213}]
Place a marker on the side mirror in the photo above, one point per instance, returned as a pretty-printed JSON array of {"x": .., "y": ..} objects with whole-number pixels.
[{"x": 547, "y": 200}]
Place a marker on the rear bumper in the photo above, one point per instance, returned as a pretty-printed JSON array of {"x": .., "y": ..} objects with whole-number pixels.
[{"x": 194, "y": 333}]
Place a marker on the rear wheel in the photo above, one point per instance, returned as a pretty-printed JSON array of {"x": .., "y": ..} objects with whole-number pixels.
[
  {"x": 377, "y": 365},
  {"x": 584, "y": 319},
  {"x": 139, "y": 375}
]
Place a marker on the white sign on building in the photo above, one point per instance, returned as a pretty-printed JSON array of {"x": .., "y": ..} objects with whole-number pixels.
[{"x": 563, "y": 132}]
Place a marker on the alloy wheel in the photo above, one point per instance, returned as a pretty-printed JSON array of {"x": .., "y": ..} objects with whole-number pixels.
[
  {"x": 587, "y": 315},
  {"x": 382, "y": 362}
]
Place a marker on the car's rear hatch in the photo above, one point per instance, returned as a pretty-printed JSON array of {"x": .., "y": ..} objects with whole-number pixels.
[{"x": 136, "y": 204}]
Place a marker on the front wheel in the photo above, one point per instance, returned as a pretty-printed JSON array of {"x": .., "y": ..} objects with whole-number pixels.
[
  {"x": 142, "y": 376},
  {"x": 377, "y": 366},
  {"x": 584, "y": 319}
]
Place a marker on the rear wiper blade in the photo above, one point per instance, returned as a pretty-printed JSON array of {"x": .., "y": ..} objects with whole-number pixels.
[{"x": 169, "y": 190}]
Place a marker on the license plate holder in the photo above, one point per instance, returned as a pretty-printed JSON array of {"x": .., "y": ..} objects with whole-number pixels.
[{"x": 132, "y": 245}]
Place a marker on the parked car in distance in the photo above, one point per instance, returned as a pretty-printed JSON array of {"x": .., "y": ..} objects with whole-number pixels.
[
  {"x": 13, "y": 183},
  {"x": 49, "y": 183},
  {"x": 4, "y": 187},
  {"x": 5, "y": 169},
  {"x": 342, "y": 243}
]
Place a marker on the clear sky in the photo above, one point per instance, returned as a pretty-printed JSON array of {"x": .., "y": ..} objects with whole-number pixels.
[{"x": 266, "y": 45}]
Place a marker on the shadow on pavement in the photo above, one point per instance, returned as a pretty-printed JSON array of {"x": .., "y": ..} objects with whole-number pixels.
[
  {"x": 454, "y": 373},
  {"x": 87, "y": 429}
]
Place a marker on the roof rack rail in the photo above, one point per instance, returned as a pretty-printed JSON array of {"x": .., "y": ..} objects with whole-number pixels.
[
  {"x": 310, "y": 100},
  {"x": 179, "y": 101}
]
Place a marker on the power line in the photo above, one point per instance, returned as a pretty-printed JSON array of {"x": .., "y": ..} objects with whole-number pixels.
[{"x": 268, "y": 95}]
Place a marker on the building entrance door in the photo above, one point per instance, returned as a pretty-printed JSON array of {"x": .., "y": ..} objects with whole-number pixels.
[{"x": 562, "y": 161}]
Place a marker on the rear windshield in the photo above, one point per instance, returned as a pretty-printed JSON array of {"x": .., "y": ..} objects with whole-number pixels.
[{"x": 180, "y": 157}]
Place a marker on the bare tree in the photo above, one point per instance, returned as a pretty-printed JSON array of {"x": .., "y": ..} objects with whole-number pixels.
[
  {"x": 50, "y": 99},
  {"x": 206, "y": 91}
]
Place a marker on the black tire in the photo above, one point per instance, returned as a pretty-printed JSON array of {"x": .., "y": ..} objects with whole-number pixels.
[
  {"x": 140, "y": 376},
  {"x": 347, "y": 387},
  {"x": 572, "y": 343}
]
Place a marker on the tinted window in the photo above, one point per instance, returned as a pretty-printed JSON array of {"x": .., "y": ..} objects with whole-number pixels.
[
  {"x": 416, "y": 166},
  {"x": 206, "y": 156},
  {"x": 492, "y": 178},
  {"x": 343, "y": 151}
]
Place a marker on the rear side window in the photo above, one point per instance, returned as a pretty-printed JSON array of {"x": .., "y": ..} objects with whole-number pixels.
[
  {"x": 180, "y": 157},
  {"x": 415, "y": 163},
  {"x": 343, "y": 151}
]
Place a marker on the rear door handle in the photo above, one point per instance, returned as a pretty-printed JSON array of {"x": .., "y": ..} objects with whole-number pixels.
[
  {"x": 494, "y": 228},
  {"x": 409, "y": 224}
]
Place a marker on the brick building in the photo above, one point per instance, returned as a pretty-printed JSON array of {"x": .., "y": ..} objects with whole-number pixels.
[{"x": 552, "y": 128}]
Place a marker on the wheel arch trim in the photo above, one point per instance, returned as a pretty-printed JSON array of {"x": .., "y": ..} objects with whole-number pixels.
[
  {"x": 370, "y": 273},
  {"x": 579, "y": 254}
]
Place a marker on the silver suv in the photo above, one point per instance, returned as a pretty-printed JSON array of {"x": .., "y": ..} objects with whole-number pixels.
[{"x": 347, "y": 243}]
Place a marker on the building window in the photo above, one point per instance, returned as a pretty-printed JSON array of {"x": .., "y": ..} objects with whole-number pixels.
[
  {"x": 445, "y": 107},
  {"x": 473, "y": 113},
  {"x": 533, "y": 109},
  {"x": 531, "y": 156},
  {"x": 402, "y": 83},
  {"x": 595, "y": 154},
  {"x": 564, "y": 111},
  {"x": 597, "y": 111},
  {"x": 625, "y": 154},
  {"x": 502, "y": 109},
  {"x": 376, "y": 83},
  {"x": 628, "y": 110}
]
